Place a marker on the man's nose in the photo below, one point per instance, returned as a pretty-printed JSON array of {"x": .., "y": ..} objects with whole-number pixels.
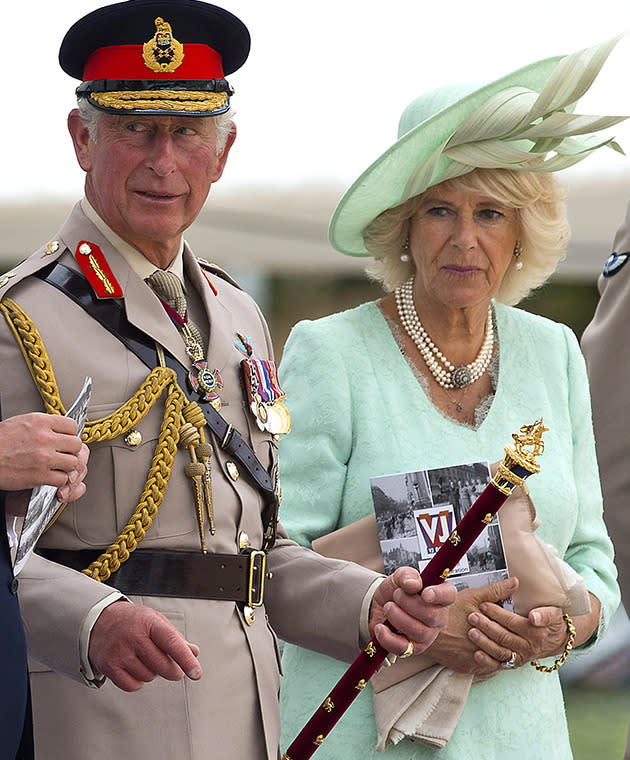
[{"x": 162, "y": 153}]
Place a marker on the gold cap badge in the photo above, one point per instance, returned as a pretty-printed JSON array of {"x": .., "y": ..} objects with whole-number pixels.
[{"x": 162, "y": 53}]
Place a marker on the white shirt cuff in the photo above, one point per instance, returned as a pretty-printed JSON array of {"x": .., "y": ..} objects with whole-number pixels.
[
  {"x": 364, "y": 628},
  {"x": 91, "y": 675}
]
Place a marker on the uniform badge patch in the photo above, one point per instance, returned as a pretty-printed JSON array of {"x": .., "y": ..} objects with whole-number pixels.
[
  {"x": 163, "y": 53},
  {"x": 95, "y": 267},
  {"x": 614, "y": 263}
]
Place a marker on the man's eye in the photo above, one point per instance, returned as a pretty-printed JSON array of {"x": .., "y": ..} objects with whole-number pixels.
[
  {"x": 186, "y": 131},
  {"x": 136, "y": 127}
]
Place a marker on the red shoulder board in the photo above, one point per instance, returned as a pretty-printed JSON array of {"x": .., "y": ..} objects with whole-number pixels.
[{"x": 95, "y": 267}]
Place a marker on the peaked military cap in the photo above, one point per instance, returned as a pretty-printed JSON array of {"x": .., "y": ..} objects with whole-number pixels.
[{"x": 156, "y": 56}]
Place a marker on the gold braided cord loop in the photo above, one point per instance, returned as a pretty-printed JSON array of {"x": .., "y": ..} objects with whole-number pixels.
[
  {"x": 30, "y": 342},
  {"x": 152, "y": 495},
  {"x": 133, "y": 410},
  {"x": 113, "y": 425}
]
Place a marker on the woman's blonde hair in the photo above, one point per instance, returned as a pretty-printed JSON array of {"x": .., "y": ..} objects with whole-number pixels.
[{"x": 540, "y": 201}]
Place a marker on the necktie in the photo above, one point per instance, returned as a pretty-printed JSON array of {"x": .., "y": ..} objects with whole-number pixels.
[{"x": 168, "y": 287}]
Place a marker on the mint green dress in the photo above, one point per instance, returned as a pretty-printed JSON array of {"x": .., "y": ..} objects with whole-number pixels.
[{"x": 359, "y": 410}]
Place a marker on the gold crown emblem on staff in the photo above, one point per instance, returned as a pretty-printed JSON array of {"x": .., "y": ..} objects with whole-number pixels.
[{"x": 162, "y": 53}]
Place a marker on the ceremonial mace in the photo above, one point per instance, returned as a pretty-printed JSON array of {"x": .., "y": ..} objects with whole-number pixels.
[{"x": 518, "y": 463}]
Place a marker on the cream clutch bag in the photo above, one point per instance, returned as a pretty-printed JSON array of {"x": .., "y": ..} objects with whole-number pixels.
[{"x": 545, "y": 580}]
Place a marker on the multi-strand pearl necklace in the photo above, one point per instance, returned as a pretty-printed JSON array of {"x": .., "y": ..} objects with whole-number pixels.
[{"x": 446, "y": 374}]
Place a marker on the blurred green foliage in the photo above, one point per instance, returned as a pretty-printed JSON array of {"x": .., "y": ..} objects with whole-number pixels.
[{"x": 598, "y": 721}]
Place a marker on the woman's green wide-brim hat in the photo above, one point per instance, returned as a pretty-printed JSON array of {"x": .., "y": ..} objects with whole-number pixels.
[{"x": 523, "y": 121}]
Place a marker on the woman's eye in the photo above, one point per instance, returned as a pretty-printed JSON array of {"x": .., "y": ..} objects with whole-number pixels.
[
  {"x": 492, "y": 214},
  {"x": 437, "y": 211}
]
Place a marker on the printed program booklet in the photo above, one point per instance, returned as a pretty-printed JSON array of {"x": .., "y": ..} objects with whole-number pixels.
[
  {"x": 417, "y": 511},
  {"x": 43, "y": 504}
]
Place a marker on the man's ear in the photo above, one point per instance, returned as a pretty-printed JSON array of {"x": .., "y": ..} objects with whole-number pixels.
[
  {"x": 222, "y": 157},
  {"x": 80, "y": 139}
]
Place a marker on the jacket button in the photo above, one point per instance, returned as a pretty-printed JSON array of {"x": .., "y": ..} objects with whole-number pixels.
[{"x": 13, "y": 586}]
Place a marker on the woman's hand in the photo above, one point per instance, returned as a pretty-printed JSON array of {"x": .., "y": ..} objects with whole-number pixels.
[
  {"x": 500, "y": 635},
  {"x": 453, "y": 647}
]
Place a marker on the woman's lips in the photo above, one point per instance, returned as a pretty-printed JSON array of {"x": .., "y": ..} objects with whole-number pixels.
[{"x": 462, "y": 270}]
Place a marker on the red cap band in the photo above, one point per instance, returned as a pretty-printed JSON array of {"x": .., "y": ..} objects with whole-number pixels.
[{"x": 126, "y": 62}]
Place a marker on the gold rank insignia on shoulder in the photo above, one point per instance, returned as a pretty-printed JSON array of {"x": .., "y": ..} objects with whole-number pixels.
[
  {"x": 162, "y": 53},
  {"x": 95, "y": 267}
]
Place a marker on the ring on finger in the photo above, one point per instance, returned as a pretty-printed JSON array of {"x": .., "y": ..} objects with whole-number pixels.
[
  {"x": 408, "y": 652},
  {"x": 508, "y": 664}
]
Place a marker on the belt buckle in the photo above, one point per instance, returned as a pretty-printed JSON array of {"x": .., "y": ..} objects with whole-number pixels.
[{"x": 256, "y": 585}]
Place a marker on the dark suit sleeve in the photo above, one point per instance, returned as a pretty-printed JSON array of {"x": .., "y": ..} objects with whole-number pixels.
[{"x": 14, "y": 683}]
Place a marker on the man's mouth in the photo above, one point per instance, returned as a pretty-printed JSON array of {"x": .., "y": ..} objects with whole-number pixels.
[{"x": 156, "y": 196}]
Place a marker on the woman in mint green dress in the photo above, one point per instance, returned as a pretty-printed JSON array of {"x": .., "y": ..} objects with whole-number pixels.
[{"x": 463, "y": 218}]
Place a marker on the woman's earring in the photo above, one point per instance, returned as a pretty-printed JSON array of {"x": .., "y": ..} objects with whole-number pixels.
[
  {"x": 404, "y": 256},
  {"x": 518, "y": 250}
]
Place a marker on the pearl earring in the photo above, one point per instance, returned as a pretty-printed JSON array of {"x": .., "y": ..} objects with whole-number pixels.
[
  {"x": 518, "y": 250},
  {"x": 405, "y": 246}
]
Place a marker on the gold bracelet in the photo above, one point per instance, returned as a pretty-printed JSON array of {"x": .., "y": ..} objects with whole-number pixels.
[{"x": 563, "y": 657}]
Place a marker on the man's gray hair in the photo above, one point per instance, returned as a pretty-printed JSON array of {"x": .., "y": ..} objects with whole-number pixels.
[{"x": 90, "y": 116}]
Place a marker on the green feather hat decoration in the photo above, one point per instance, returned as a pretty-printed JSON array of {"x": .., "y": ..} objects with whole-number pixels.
[{"x": 524, "y": 121}]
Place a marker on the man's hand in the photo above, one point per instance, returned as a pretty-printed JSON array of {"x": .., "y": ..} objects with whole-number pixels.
[
  {"x": 42, "y": 449},
  {"x": 416, "y": 617},
  {"x": 132, "y": 644}
]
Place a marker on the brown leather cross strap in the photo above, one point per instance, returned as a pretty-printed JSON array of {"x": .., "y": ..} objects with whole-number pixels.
[
  {"x": 111, "y": 315},
  {"x": 189, "y": 575}
]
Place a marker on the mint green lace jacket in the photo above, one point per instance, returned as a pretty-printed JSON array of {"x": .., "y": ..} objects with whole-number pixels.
[{"x": 358, "y": 410}]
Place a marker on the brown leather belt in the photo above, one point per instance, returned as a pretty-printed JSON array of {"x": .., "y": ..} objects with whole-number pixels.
[{"x": 188, "y": 575}]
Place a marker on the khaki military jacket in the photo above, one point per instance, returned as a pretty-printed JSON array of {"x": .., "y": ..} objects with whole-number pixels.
[
  {"x": 233, "y": 711},
  {"x": 608, "y": 362},
  {"x": 607, "y": 356}
]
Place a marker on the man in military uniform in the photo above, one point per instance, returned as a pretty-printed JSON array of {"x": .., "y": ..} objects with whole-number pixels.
[
  {"x": 608, "y": 363},
  {"x": 609, "y": 369},
  {"x": 180, "y": 510}
]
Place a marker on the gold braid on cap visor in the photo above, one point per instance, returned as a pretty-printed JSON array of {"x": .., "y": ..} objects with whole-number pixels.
[
  {"x": 164, "y": 100},
  {"x": 493, "y": 137}
]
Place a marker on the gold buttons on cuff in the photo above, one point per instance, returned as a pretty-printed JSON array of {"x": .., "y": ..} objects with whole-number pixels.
[
  {"x": 133, "y": 438},
  {"x": 232, "y": 470}
]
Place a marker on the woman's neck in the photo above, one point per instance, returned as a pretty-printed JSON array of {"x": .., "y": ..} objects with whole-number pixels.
[{"x": 457, "y": 333}]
